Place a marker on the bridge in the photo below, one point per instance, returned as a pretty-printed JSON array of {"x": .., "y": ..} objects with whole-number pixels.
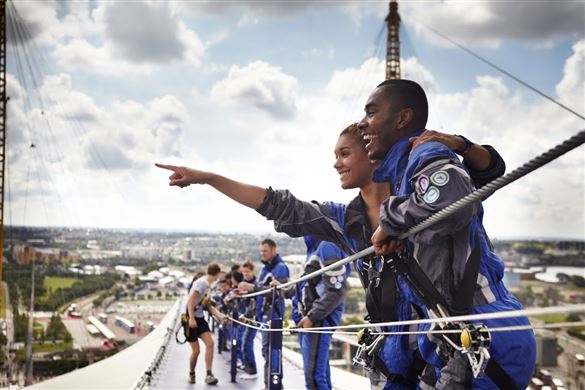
[{"x": 158, "y": 362}]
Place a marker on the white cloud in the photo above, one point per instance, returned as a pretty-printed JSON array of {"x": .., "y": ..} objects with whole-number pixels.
[
  {"x": 260, "y": 85},
  {"x": 490, "y": 22},
  {"x": 549, "y": 201},
  {"x": 85, "y": 152},
  {"x": 32, "y": 20},
  {"x": 571, "y": 88},
  {"x": 155, "y": 37}
]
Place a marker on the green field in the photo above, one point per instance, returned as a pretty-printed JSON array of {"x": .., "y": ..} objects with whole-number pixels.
[
  {"x": 45, "y": 347},
  {"x": 52, "y": 283},
  {"x": 552, "y": 318}
]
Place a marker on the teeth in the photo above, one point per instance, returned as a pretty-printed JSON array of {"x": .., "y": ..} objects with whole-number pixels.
[
  {"x": 368, "y": 137},
  {"x": 343, "y": 174}
]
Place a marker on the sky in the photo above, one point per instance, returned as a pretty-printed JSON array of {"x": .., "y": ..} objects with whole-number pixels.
[{"x": 259, "y": 91}]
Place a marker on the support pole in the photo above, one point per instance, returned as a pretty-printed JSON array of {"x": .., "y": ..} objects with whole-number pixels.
[
  {"x": 275, "y": 346},
  {"x": 234, "y": 346}
]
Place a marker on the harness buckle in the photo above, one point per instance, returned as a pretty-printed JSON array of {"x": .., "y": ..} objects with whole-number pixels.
[
  {"x": 474, "y": 342},
  {"x": 369, "y": 345}
]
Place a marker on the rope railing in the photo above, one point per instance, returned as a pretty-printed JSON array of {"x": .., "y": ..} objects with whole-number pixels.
[
  {"x": 480, "y": 194},
  {"x": 557, "y": 325},
  {"x": 146, "y": 378},
  {"x": 464, "y": 318}
]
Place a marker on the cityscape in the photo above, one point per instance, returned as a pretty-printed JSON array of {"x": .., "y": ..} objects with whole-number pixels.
[{"x": 98, "y": 291}]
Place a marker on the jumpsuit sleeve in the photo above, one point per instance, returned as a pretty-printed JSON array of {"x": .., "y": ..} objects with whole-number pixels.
[
  {"x": 496, "y": 169},
  {"x": 437, "y": 183},
  {"x": 334, "y": 280},
  {"x": 299, "y": 218}
]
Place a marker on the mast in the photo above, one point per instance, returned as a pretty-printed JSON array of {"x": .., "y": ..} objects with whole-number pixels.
[
  {"x": 2, "y": 124},
  {"x": 393, "y": 42}
]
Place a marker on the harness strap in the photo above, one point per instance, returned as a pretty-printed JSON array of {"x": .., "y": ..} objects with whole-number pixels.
[
  {"x": 394, "y": 378},
  {"x": 499, "y": 376},
  {"x": 463, "y": 300},
  {"x": 381, "y": 295},
  {"x": 419, "y": 282}
]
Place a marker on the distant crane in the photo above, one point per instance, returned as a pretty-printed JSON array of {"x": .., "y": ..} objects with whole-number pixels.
[
  {"x": 393, "y": 42},
  {"x": 2, "y": 124}
]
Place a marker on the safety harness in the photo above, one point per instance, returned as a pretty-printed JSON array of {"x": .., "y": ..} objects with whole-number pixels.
[
  {"x": 381, "y": 288},
  {"x": 474, "y": 339}
]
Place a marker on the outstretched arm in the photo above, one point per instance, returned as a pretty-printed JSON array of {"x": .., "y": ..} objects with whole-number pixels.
[{"x": 247, "y": 194}]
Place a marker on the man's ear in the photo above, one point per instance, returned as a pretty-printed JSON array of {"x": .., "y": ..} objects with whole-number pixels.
[{"x": 404, "y": 117}]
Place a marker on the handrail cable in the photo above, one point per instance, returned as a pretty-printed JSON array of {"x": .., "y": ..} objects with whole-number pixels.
[
  {"x": 567, "y": 309},
  {"x": 411, "y": 332}
]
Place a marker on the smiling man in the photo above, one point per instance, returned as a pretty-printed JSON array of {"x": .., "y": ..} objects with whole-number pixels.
[{"x": 455, "y": 254}]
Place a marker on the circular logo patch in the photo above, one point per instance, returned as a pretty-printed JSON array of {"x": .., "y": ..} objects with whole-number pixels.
[
  {"x": 432, "y": 195},
  {"x": 422, "y": 184},
  {"x": 338, "y": 285},
  {"x": 333, "y": 280},
  {"x": 440, "y": 178},
  {"x": 340, "y": 278}
]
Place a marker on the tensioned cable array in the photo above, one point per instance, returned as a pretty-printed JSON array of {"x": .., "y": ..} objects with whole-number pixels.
[
  {"x": 264, "y": 327},
  {"x": 481, "y": 194},
  {"x": 470, "y": 317}
]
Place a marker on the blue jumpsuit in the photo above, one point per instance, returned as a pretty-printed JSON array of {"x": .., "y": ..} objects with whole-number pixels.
[
  {"x": 249, "y": 334},
  {"x": 275, "y": 269},
  {"x": 321, "y": 300},
  {"x": 426, "y": 180}
]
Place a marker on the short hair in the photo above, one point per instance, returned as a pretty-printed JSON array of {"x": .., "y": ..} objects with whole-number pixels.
[
  {"x": 269, "y": 242},
  {"x": 228, "y": 276},
  {"x": 213, "y": 269},
  {"x": 235, "y": 267},
  {"x": 224, "y": 281},
  {"x": 248, "y": 264},
  {"x": 408, "y": 94},
  {"x": 237, "y": 276},
  {"x": 353, "y": 131}
]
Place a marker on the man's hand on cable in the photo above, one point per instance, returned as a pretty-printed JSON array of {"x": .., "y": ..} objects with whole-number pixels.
[
  {"x": 274, "y": 283},
  {"x": 305, "y": 322},
  {"x": 183, "y": 176},
  {"x": 192, "y": 323},
  {"x": 384, "y": 244},
  {"x": 451, "y": 141}
]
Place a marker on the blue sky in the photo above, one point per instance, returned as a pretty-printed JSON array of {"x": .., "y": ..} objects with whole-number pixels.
[{"x": 259, "y": 90}]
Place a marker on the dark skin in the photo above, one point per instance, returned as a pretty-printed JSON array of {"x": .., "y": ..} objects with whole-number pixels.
[{"x": 383, "y": 126}]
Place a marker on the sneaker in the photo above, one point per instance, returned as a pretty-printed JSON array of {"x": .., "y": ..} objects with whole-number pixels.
[
  {"x": 191, "y": 377},
  {"x": 211, "y": 380},
  {"x": 248, "y": 376}
]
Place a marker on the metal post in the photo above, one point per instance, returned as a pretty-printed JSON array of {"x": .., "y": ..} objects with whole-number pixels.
[
  {"x": 275, "y": 345},
  {"x": 234, "y": 347},
  {"x": 220, "y": 338}
]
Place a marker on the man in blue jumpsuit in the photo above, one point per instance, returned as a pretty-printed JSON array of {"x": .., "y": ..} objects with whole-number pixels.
[
  {"x": 318, "y": 302},
  {"x": 454, "y": 253},
  {"x": 249, "y": 305},
  {"x": 274, "y": 269}
]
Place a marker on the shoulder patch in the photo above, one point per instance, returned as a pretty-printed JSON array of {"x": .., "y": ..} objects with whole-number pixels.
[
  {"x": 338, "y": 285},
  {"x": 422, "y": 184},
  {"x": 432, "y": 195},
  {"x": 440, "y": 178}
]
